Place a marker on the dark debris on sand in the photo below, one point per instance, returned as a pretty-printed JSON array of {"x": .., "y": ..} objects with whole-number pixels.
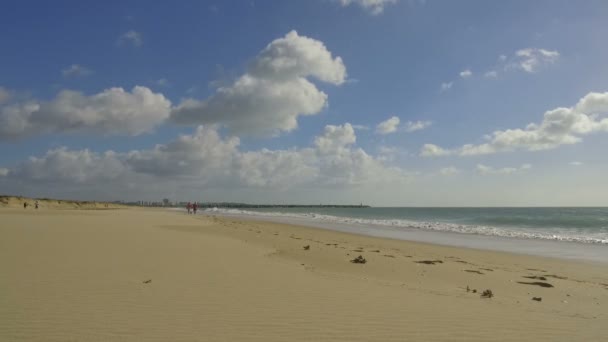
[
  {"x": 359, "y": 260},
  {"x": 487, "y": 294}
]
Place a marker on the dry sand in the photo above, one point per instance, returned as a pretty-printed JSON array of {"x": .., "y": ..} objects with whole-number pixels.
[
  {"x": 47, "y": 203},
  {"x": 154, "y": 275}
]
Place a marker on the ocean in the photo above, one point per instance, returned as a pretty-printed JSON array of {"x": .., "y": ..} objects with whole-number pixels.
[{"x": 573, "y": 232}]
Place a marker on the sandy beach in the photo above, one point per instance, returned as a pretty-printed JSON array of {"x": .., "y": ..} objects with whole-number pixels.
[{"x": 157, "y": 275}]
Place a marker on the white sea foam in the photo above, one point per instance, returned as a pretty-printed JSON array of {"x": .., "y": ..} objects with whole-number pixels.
[{"x": 400, "y": 224}]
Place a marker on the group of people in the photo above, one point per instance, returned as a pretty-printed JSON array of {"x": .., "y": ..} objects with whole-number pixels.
[
  {"x": 192, "y": 207},
  {"x": 25, "y": 204}
]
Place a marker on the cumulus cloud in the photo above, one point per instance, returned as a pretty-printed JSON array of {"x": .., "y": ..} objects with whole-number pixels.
[
  {"x": 388, "y": 126},
  {"x": 131, "y": 37},
  {"x": 391, "y": 125},
  {"x": 412, "y": 126},
  {"x": 202, "y": 156},
  {"x": 273, "y": 93},
  {"x": 374, "y": 7},
  {"x": 3, "y": 172},
  {"x": 335, "y": 138},
  {"x": 488, "y": 170},
  {"x": 576, "y": 163},
  {"x": 205, "y": 158},
  {"x": 532, "y": 59},
  {"x": 560, "y": 126},
  {"x": 114, "y": 111},
  {"x": 76, "y": 70},
  {"x": 466, "y": 73},
  {"x": 67, "y": 166},
  {"x": 431, "y": 150}
]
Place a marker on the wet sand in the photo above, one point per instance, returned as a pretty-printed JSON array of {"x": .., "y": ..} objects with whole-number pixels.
[{"x": 155, "y": 275}]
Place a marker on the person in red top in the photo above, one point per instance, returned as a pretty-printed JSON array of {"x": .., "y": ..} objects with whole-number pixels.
[{"x": 189, "y": 206}]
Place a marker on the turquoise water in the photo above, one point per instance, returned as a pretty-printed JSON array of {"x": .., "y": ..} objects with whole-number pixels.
[{"x": 585, "y": 225}]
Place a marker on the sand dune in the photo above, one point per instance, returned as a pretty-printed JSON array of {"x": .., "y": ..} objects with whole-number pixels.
[
  {"x": 154, "y": 275},
  {"x": 47, "y": 203}
]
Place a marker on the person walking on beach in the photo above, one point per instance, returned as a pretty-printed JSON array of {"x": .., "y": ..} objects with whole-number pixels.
[
  {"x": 24, "y": 205},
  {"x": 194, "y": 207},
  {"x": 189, "y": 206},
  {"x": 36, "y": 204}
]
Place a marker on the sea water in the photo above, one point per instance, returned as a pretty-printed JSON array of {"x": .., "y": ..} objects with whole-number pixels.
[{"x": 573, "y": 232}]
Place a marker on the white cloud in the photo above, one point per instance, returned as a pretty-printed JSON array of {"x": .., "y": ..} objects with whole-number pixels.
[
  {"x": 5, "y": 95},
  {"x": 361, "y": 127},
  {"x": 388, "y": 126},
  {"x": 445, "y": 86},
  {"x": 560, "y": 126},
  {"x": 76, "y": 70},
  {"x": 201, "y": 156},
  {"x": 576, "y": 163},
  {"x": 111, "y": 112},
  {"x": 449, "y": 171},
  {"x": 491, "y": 74},
  {"x": 205, "y": 159},
  {"x": 3, "y": 172},
  {"x": 488, "y": 170},
  {"x": 391, "y": 125},
  {"x": 430, "y": 150},
  {"x": 274, "y": 91},
  {"x": 131, "y": 37},
  {"x": 412, "y": 126},
  {"x": 335, "y": 138},
  {"x": 66, "y": 166},
  {"x": 374, "y": 7},
  {"x": 466, "y": 73},
  {"x": 532, "y": 59}
]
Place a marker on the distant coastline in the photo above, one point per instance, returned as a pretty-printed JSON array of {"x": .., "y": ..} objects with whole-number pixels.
[{"x": 246, "y": 205}]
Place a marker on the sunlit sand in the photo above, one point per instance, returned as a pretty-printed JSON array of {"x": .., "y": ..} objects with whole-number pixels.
[{"x": 156, "y": 275}]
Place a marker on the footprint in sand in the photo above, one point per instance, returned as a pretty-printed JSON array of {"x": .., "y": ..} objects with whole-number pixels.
[
  {"x": 429, "y": 262},
  {"x": 463, "y": 262},
  {"x": 536, "y": 283},
  {"x": 535, "y": 277},
  {"x": 474, "y": 271},
  {"x": 556, "y": 276}
]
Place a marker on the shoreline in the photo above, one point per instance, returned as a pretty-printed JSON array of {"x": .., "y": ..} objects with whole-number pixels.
[
  {"x": 157, "y": 275},
  {"x": 562, "y": 250}
]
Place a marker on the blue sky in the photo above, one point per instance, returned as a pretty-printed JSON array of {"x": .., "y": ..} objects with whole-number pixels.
[{"x": 457, "y": 71}]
